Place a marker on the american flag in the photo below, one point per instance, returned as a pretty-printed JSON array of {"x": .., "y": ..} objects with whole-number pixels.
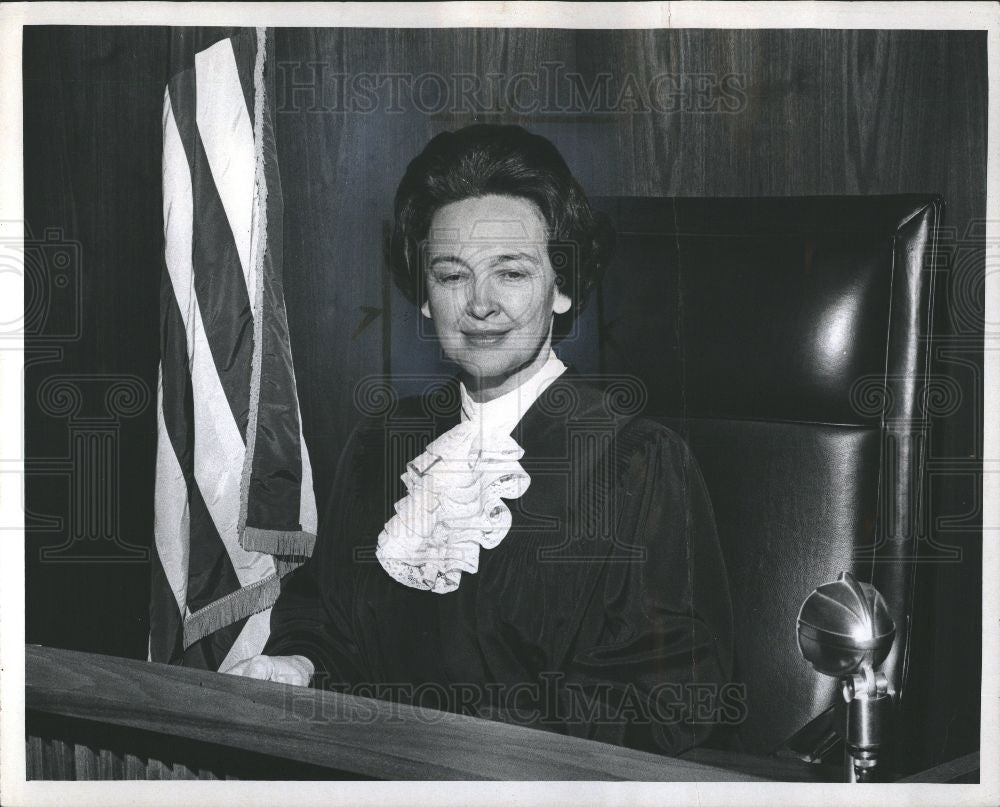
[{"x": 235, "y": 508}]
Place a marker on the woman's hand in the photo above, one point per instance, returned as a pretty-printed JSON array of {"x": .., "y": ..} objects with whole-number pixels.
[{"x": 296, "y": 670}]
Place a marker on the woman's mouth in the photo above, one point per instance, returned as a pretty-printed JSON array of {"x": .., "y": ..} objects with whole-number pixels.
[{"x": 484, "y": 338}]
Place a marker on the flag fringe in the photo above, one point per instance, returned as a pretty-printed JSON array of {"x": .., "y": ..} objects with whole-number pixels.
[
  {"x": 278, "y": 542},
  {"x": 238, "y": 605}
]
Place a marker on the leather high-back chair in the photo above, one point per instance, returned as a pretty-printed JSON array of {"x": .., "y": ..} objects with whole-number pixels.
[{"x": 787, "y": 339}]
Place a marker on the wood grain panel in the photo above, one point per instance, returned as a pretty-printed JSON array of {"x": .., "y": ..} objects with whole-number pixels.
[{"x": 358, "y": 735}]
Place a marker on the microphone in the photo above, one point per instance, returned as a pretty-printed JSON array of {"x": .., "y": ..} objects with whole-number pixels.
[{"x": 845, "y": 631}]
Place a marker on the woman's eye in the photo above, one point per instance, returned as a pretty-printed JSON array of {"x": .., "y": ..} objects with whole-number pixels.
[
  {"x": 515, "y": 274},
  {"x": 453, "y": 277}
]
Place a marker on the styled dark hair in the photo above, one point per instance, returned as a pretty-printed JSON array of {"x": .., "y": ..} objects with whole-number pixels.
[{"x": 485, "y": 159}]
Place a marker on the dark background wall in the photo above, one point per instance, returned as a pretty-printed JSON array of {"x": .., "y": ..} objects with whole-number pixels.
[{"x": 659, "y": 113}]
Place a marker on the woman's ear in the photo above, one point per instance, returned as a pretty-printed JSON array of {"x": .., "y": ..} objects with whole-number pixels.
[
  {"x": 561, "y": 303},
  {"x": 425, "y": 309}
]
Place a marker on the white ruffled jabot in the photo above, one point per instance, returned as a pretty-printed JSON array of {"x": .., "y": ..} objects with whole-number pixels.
[{"x": 456, "y": 488}]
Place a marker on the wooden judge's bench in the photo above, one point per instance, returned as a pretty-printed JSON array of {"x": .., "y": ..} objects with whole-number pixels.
[{"x": 101, "y": 717}]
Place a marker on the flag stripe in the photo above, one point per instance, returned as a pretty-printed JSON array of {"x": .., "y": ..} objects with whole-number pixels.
[
  {"x": 210, "y": 572},
  {"x": 218, "y": 276},
  {"x": 165, "y": 625},
  {"x": 171, "y": 522},
  {"x": 245, "y": 53},
  {"x": 227, "y": 137},
  {"x": 250, "y": 641},
  {"x": 308, "y": 517},
  {"x": 192, "y": 533},
  {"x": 218, "y": 446},
  {"x": 208, "y": 652}
]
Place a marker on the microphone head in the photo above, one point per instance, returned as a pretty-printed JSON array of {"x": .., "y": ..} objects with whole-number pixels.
[{"x": 843, "y": 625}]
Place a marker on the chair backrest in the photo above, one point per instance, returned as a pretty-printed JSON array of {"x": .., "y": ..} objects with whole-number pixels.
[{"x": 788, "y": 340}]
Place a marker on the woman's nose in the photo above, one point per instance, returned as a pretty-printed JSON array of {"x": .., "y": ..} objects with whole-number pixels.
[{"x": 482, "y": 300}]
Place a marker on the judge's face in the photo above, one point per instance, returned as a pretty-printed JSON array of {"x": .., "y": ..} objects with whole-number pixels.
[{"x": 491, "y": 289}]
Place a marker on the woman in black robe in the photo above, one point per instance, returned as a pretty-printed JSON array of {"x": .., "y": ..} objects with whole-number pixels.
[{"x": 519, "y": 543}]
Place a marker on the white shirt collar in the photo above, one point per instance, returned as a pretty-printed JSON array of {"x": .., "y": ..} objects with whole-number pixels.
[{"x": 505, "y": 412}]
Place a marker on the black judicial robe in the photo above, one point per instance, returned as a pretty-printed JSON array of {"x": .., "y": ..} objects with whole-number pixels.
[{"x": 603, "y": 613}]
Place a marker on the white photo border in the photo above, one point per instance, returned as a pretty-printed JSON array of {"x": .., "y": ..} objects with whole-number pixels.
[{"x": 861, "y": 15}]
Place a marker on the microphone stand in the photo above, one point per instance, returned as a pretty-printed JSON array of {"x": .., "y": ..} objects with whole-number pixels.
[
  {"x": 867, "y": 709},
  {"x": 845, "y": 631}
]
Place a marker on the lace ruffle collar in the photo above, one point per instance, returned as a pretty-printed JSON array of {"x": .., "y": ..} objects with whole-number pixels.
[{"x": 455, "y": 490}]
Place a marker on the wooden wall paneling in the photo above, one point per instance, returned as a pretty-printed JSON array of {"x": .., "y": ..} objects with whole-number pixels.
[
  {"x": 92, "y": 140},
  {"x": 332, "y": 254}
]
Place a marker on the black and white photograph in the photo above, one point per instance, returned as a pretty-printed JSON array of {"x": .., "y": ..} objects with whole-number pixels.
[{"x": 500, "y": 403}]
